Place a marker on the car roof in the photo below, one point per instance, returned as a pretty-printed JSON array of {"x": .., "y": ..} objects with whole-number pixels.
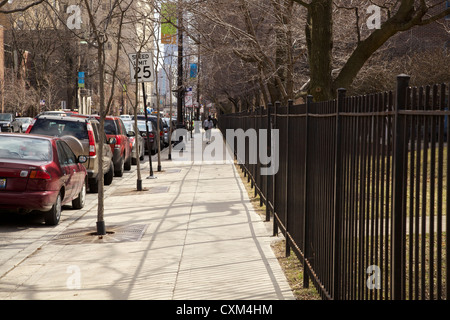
[
  {"x": 73, "y": 118},
  {"x": 107, "y": 117},
  {"x": 59, "y": 117},
  {"x": 30, "y": 135}
]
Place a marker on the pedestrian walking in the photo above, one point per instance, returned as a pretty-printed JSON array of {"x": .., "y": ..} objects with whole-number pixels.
[{"x": 207, "y": 125}]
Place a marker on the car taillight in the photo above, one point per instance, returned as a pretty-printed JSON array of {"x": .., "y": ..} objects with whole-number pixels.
[
  {"x": 40, "y": 174},
  {"x": 31, "y": 125},
  {"x": 151, "y": 135},
  {"x": 92, "y": 151},
  {"x": 118, "y": 141}
]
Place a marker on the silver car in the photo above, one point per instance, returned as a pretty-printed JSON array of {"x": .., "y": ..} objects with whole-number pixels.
[{"x": 133, "y": 136}]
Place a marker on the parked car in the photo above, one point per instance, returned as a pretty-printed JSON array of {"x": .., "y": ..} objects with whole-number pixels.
[
  {"x": 40, "y": 173},
  {"x": 87, "y": 134},
  {"x": 9, "y": 123},
  {"x": 154, "y": 121},
  {"x": 125, "y": 117},
  {"x": 166, "y": 129},
  {"x": 53, "y": 113},
  {"x": 114, "y": 128},
  {"x": 25, "y": 121},
  {"x": 151, "y": 136},
  {"x": 136, "y": 142}
]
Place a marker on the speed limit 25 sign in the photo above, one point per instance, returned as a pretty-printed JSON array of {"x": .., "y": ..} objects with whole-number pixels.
[{"x": 141, "y": 67}]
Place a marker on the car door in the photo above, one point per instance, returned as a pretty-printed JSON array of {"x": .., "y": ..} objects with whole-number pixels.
[
  {"x": 68, "y": 164},
  {"x": 124, "y": 136},
  {"x": 76, "y": 169}
]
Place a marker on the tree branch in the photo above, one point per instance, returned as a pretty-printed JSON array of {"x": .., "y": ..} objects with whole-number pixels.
[{"x": 4, "y": 2}]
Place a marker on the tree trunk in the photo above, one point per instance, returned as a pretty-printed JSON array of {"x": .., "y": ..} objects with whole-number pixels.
[
  {"x": 101, "y": 75},
  {"x": 319, "y": 34}
]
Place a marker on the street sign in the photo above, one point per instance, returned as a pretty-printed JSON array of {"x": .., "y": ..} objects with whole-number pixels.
[{"x": 141, "y": 67}]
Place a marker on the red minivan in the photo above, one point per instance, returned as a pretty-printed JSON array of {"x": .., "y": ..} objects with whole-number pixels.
[{"x": 114, "y": 128}]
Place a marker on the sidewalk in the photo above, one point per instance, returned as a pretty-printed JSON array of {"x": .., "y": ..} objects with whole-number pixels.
[{"x": 191, "y": 235}]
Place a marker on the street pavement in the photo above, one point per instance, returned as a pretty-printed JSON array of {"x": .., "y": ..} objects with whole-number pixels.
[{"x": 191, "y": 234}]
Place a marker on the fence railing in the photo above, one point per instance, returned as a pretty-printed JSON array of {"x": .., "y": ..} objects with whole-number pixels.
[{"x": 361, "y": 192}]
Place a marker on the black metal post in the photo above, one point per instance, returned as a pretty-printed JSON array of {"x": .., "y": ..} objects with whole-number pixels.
[
  {"x": 180, "y": 90},
  {"x": 274, "y": 196},
  {"x": 306, "y": 251},
  {"x": 286, "y": 197},
  {"x": 337, "y": 198},
  {"x": 269, "y": 151},
  {"x": 146, "y": 128},
  {"x": 260, "y": 117},
  {"x": 399, "y": 192}
]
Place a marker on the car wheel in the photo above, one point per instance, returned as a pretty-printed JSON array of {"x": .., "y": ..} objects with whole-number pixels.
[
  {"x": 119, "y": 171},
  {"x": 54, "y": 214},
  {"x": 127, "y": 165},
  {"x": 79, "y": 202},
  {"x": 108, "y": 177}
]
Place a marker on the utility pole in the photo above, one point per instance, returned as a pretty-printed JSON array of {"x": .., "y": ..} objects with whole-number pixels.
[
  {"x": 180, "y": 90},
  {"x": 197, "y": 112}
]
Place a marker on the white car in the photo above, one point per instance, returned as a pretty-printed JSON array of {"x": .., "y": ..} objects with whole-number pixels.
[
  {"x": 125, "y": 117},
  {"x": 25, "y": 122}
]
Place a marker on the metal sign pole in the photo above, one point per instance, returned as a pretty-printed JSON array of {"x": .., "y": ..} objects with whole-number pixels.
[{"x": 148, "y": 136}]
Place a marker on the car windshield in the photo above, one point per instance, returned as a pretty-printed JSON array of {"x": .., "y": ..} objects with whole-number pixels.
[
  {"x": 50, "y": 127},
  {"x": 24, "y": 120},
  {"x": 110, "y": 127},
  {"x": 33, "y": 149},
  {"x": 141, "y": 126},
  {"x": 5, "y": 117},
  {"x": 129, "y": 125}
]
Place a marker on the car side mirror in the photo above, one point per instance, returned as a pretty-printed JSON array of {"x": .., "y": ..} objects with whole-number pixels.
[
  {"x": 82, "y": 159},
  {"x": 144, "y": 134},
  {"x": 131, "y": 134},
  {"x": 112, "y": 140}
]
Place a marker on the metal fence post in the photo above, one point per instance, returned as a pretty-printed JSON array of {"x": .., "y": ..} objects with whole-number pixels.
[
  {"x": 260, "y": 117},
  {"x": 269, "y": 144},
  {"x": 337, "y": 198},
  {"x": 286, "y": 199},
  {"x": 306, "y": 252},
  {"x": 399, "y": 191},
  {"x": 274, "y": 196}
]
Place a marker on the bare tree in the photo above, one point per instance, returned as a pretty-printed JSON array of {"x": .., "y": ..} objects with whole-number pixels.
[
  {"x": 8, "y": 6},
  {"x": 105, "y": 25},
  {"x": 399, "y": 16},
  {"x": 48, "y": 67},
  {"x": 139, "y": 38},
  {"x": 328, "y": 52},
  {"x": 263, "y": 35}
]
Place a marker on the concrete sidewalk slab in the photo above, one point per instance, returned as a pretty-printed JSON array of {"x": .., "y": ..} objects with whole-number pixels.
[{"x": 201, "y": 240}]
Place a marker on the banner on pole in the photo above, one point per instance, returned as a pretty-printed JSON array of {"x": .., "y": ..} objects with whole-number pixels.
[{"x": 168, "y": 23}]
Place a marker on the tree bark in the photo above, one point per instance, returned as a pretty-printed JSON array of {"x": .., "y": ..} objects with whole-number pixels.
[{"x": 319, "y": 33}]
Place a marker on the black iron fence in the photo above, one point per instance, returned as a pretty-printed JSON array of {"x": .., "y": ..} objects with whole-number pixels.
[{"x": 361, "y": 190}]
